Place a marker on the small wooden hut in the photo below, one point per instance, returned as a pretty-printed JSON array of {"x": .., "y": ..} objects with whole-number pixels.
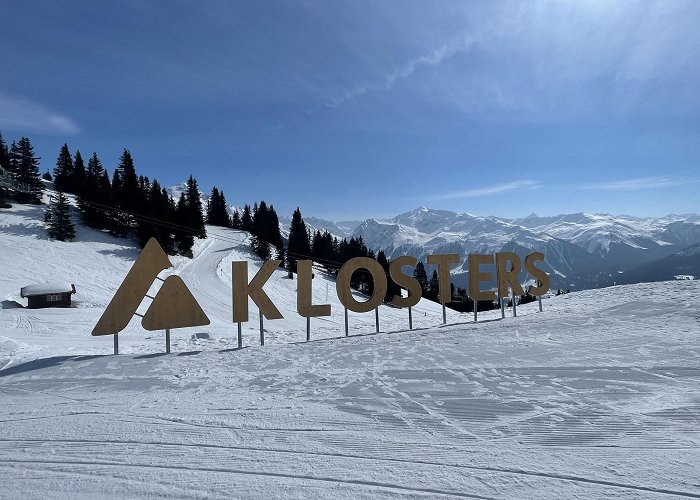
[{"x": 48, "y": 295}]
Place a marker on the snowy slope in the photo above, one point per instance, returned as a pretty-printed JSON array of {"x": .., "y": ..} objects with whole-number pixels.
[
  {"x": 596, "y": 397},
  {"x": 577, "y": 402}
]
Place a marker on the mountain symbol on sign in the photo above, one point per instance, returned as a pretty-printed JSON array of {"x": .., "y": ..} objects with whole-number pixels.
[{"x": 174, "y": 306}]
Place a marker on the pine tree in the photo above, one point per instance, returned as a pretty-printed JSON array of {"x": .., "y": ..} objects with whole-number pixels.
[
  {"x": 47, "y": 176},
  {"x": 4, "y": 154},
  {"x": 421, "y": 276},
  {"x": 169, "y": 215},
  {"x": 433, "y": 290},
  {"x": 324, "y": 250},
  {"x": 158, "y": 208},
  {"x": 298, "y": 246},
  {"x": 4, "y": 163},
  {"x": 145, "y": 228},
  {"x": 217, "y": 213},
  {"x": 12, "y": 159},
  {"x": 183, "y": 237},
  {"x": 211, "y": 203},
  {"x": 127, "y": 190},
  {"x": 247, "y": 219},
  {"x": 94, "y": 192},
  {"x": 117, "y": 223},
  {"x": 222, "y": 211},
  {"x": 261, "y": 240},
  {"x": 193, "y": 203},
  {"x": 273, "y": 230},
  {"x": 77, "y": 177},
  {"x": 25, "y": 167},
  {"x": 129, "y": 197},
  {"x": 60, "y": 226},
  {"x": 63, "y": 171},
  {"x": 236, "y": 220}
]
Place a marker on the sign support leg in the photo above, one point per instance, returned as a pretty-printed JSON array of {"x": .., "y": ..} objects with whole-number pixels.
[
  {"x": 539, "y": 301},
  {"x": 376, "y": 318},
  {"x": 308, "y": 328},
  {"x": 116, "y": 343},
  {"x": 167, "y": 341},
  {"x": 515, "y": 309},
  {"x": 346, "y": 322},
  {"x": 476, "y": 307},
  {"x": 503, "y": 308},
  {"x": 240, "y": 335},
  {"x": 262, "y": 332},
  {"x": 444, "y": 315},
  {"x": 410, "y": 319}
]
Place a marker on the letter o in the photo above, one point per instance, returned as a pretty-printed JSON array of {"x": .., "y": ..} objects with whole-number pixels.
[{"x": 342, "y": 284}]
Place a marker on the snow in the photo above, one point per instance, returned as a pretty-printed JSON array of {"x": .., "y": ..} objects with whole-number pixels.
[
  {"x": 596, "y": 397},
  {"x": 46, "y": 288}
]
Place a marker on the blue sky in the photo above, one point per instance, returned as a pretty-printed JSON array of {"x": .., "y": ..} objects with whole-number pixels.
[{"x": 370, "y": 108}]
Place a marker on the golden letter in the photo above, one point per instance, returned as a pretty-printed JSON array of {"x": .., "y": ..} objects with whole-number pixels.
[
  {"x": 241, "y": 290},
  {"x": 537, "y": 273},
  {"x": 409, "y": 283},
  {"x": 304, "y": 306},
  {"x": 476, "y": 277},
  {"x": 443, "y": 267},
  {"x": 506, "y": 277},
  {"x": 342, "y": 284}
]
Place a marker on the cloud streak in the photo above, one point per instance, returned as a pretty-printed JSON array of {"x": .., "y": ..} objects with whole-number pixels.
[
  {"x": 521, "y": 185},
  {"x": 23, "y": 114},
  {"x": 434, "y": 58},
  {"x": 638, "y": 184}
]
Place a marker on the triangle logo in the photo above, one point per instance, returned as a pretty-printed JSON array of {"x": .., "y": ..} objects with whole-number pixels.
[
  {"x": 150, "y": 262},
  {"x": 174, "y": 307}
]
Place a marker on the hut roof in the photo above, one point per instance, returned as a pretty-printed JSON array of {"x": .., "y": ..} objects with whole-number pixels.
[{"x": 46, "y": 289}]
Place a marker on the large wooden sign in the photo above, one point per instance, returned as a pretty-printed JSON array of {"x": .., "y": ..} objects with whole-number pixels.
[
  {"x": 174, "y": 306},
  {"x": 508, "y": 268}
]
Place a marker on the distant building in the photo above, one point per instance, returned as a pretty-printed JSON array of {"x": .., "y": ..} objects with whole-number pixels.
[{"x": 48, "y": 295}]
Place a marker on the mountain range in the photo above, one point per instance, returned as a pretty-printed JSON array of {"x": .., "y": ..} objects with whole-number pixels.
[{"x": 581, "y": 250}]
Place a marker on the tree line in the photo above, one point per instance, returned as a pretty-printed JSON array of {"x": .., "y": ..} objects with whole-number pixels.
[{"x": 127, "y": 205}]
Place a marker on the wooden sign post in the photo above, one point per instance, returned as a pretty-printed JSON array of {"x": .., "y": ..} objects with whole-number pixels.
[{"x": 262, "y": 331}]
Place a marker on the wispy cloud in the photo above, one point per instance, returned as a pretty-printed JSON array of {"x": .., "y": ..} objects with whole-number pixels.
[
  {"x": 433, "y": 58},
  {"x": 23, "y": 114},
  {"x": 521, "y": 185},
  {"x": 637, "y": 184}
]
